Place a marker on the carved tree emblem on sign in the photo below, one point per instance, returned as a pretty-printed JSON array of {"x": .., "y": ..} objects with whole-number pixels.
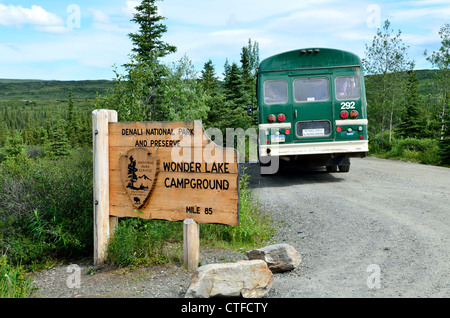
[{"x": 139, "y": 171}]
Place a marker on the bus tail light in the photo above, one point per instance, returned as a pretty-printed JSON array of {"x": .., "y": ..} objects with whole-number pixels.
[
  {"x": 344, "y": 114},
  {"x": 354, "y": 114},
  {"x": 339, "y": 129},
  {"x": 281, "y": 118},
  {"x": 287, "y": 131},
  {"x": 271, "y": 118}
]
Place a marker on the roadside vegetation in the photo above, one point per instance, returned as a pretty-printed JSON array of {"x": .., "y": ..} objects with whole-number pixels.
[
  {"x": 46, "y": 198},
  {"x": 408, "y": 110}
]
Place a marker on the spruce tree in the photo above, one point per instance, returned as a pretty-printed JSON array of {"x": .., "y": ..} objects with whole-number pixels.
[
  {"x": 208, "y": 79},
  {"x": 138, "y": 95},
  {"x": 4, "y": 133},
  {"x": 233, "y": 85},
  {"x": 59, "y": 145},
  {"x": 413, "y": 122},
  {"x": 147, "y": 42},
  {"x": 441, "y": 60},
  {"x": 71, "y": 126},
  {"x": 236, "y": 98},
  {"x": 14, "y": 147},
  {"x": 444, "y": 144},
  {"x": 210, "y": 84},
  {"x": 249, "y": 65}
]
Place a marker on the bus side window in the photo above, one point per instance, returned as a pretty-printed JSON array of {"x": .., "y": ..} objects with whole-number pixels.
[
  {"x": 347, "y": 87},
  {"x": 275, "y": 92}
]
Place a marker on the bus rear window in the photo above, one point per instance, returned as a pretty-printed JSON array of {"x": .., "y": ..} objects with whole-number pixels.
[
  {"x": 347, "y": 87},
  {"x": 275, "y": 92},
  {"x": 311, "y": 89}
]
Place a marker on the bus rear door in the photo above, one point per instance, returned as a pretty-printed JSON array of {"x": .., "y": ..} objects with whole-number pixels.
[{"x": 312, "y": 108}]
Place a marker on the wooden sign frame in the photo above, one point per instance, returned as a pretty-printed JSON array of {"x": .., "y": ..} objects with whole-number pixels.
[{"x": 166, "y": 170}]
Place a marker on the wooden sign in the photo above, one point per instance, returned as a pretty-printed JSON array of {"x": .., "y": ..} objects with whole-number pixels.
[{"x": 171, "y": 171}]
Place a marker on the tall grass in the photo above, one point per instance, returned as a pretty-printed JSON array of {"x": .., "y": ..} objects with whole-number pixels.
[
  {"x": 141, "y": 242},
  {"x": 255, "y": 227},
  {"x": 13, "y": 280}
]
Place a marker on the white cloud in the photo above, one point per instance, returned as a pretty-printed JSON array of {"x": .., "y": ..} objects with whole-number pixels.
[
  {"x": 94, "y": 49},
  {"x": 317, "y": 21},
  {"x": 219, "y": 13},
  {"x": 415, "y": 14},
  {"x": 37, "y": 16},
  {"x": 99, "y": 16},
  {"x": 129, "y": 8}
]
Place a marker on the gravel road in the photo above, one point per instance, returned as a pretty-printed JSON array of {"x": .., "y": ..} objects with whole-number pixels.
[{"x": 381, "y": 230}]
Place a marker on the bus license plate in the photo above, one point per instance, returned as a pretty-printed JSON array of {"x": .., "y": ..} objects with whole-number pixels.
[
  {"x": 313, "y": 132},
  {"x": 277, "y": 138}
]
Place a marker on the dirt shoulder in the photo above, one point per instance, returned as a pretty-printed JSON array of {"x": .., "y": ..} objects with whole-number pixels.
[{"x": 107, "y": 281}]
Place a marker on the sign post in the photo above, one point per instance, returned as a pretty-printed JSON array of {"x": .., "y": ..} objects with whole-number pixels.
[
  {"x": 191, "y": 243},
  {"x": 165, "y": 170},
  {"x": 103, "y": 222}
]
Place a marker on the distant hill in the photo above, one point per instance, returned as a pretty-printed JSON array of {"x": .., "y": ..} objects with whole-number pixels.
[
  {"x": 26, "y": 102},
  {"x": 40, "y": 90}
]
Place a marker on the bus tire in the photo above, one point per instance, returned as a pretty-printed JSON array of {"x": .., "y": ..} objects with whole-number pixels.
[
  {"x": 344, "y": 168},
  {"x": 332, "y": 168}
]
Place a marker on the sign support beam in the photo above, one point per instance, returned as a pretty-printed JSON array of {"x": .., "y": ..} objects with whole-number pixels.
[
  {"x": 191, "y": 243},
  {"x": 103, "y": 223}
]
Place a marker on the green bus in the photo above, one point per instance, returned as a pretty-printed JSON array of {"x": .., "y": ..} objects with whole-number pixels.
[{"x": 312, "y": 108}]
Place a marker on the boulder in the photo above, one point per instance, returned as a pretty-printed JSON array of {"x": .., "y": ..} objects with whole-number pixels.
[
  {"x": 248, "y": 279},
  {"x": 279, "y": 257}
]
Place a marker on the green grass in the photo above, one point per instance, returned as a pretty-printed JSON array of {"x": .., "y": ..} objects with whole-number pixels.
[
  {"x": 255, "y": 227},
  {"x": 14, "y": 282}
]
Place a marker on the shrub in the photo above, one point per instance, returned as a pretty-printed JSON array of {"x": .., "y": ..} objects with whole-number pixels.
[
  {"x": 379, "y": 144},
  {"x": 423, "y": 151},
  {"x": 46, "y": 208}
]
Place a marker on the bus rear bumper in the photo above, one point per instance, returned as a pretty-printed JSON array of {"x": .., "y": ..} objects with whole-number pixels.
[{"x": 294, "y": 149}]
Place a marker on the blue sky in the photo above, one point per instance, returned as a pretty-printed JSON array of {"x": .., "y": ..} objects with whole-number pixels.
[{"x": 80, "y": 39}]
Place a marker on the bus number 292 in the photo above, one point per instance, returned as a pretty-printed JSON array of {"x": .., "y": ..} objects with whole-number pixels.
[{"x": 348, "y": 105}]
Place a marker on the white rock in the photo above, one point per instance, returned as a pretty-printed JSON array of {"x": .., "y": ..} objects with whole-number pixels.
[{"x": 248, "y": 279}]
